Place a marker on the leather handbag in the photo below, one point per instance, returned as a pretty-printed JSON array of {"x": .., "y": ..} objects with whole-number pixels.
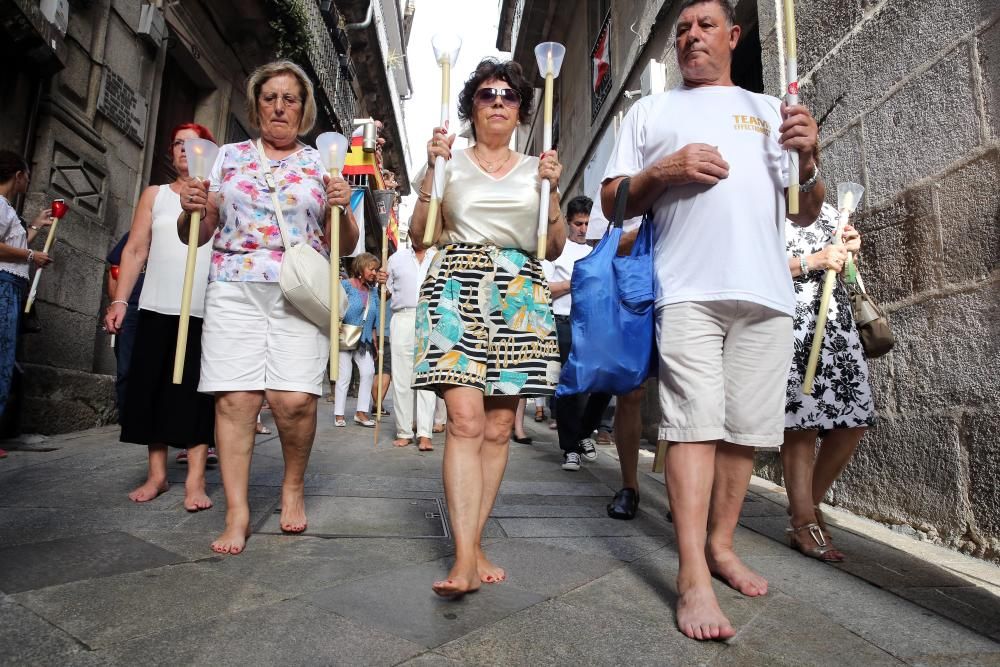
[
  {"x": 873, "y": 326},
  {"x": 305, "y": 274},
  {"x": 350, "y": 334}
]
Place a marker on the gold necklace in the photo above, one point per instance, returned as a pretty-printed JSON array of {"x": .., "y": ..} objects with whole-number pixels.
[{"x": 494, "y": 169}]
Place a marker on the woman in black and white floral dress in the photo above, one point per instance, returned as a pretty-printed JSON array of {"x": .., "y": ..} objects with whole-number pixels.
[{"x": 841, "y": 405}]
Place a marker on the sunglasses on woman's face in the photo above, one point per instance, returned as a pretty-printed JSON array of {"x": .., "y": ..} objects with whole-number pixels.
[{"x": 510, "y": 97}]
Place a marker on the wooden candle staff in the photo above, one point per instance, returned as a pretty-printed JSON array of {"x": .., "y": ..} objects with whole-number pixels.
[
  {"x": 201, "y": 154},
  {"x": 792, "y": 97},
  {"x": 381, "y": 333},
  {"x": 332, "y": 150},
  {"x": 446, "y": 48},
  {"x": 59, "y": 209},
  {"x": 848, "y": 196},
  {"x": 549, "y": 56}
]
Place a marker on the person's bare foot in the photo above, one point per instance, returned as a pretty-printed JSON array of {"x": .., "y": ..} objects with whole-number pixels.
[
  {"x": 150, "y": 489},
  {"x": 438, "y": 428},
  {"x": 699, "y": 615},
  {"x": 727, "y": 566},
  {"x": 234, "y": 538},
  {"x": 401, "y": 442},
  {"x": 461, "y": 580},
  {"x": 425, "y": 444},
  {"x": 195, "y": 498},
  {"x": 489, "y": 573},
  {"x": 293, "y": 511}
]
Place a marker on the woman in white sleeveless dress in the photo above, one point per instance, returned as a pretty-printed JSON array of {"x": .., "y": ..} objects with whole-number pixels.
[{"x": 158, "y": 413}]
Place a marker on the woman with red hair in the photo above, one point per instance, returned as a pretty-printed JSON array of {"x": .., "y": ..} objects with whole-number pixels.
[{"x": 156, "y": 412}]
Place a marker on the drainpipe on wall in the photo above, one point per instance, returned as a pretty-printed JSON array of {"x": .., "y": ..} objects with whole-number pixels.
[{"x": 368, "y": 18}]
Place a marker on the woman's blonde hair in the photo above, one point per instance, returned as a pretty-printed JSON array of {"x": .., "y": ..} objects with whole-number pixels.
[
  {"x": 365, "y": 260},
  {"x": 265, "y": 73}
]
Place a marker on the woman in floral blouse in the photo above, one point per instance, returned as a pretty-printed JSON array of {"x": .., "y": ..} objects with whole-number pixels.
[
  {"x": 255, "y": 344},
  {"x": 840, "y": 408}
]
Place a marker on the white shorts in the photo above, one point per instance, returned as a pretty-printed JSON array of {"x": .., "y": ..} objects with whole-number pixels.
[
  {"x": 723, "y": 372},
  {"x": 253, "y": 340}
]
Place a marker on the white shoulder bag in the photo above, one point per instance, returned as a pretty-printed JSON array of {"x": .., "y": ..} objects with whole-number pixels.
[{"x": 305, "y": 274}]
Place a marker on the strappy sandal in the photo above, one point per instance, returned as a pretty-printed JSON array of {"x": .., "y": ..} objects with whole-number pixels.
[
  {"x": 539, "y": 414},
  {"x": 813, "y": 534}
]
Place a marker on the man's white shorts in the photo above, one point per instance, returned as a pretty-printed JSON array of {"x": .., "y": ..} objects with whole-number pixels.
[
  {"x": 723, "y": 372},
  {"x": 253, "y": 339}
]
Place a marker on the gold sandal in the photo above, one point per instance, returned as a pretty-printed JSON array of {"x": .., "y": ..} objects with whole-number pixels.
[{"x": 823, "y": 550}]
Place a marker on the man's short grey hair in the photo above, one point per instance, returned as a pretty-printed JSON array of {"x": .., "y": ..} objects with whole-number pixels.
[
  {"x": 727, "y": 8},
  {"x": 265, "y": 73}
]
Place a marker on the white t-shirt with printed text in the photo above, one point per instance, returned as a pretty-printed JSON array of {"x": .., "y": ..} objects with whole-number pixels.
[{"x": 724, "y": 241}]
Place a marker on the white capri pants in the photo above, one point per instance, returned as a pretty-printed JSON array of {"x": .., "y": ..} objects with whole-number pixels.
[{"x": 366, "y": 365}]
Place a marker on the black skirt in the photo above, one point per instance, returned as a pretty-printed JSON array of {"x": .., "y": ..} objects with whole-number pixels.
[{"x": 157, "y": 411}]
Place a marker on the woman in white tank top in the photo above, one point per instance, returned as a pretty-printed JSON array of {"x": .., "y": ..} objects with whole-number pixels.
[{"x": 156, "y": 412}]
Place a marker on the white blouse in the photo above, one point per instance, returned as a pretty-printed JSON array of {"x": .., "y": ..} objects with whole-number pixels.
[{"x": 12, "y": 233}]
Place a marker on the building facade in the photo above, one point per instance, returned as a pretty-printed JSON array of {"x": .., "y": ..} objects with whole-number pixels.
[
  {"x": 906, "y": 93},
  {"x": 95, "y": 88}
]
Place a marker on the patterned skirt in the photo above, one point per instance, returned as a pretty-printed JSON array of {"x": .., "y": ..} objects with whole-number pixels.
[{"x": 484, "y": 320}]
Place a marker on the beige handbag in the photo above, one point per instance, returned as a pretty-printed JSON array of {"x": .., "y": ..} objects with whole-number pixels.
[
  {"x": 350, "y": 334},
  {"x": 305, "y": 274}
]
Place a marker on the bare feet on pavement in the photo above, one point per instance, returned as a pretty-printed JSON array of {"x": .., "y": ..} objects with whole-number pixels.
[
  {"x": 488, "y": 572},
  {"x": 699, "y": 615},
  {"x": 149, "y": 490},
  {"x": 401, "y": 442},
  {"x": 234, "y": 538},
  {"x": 727, "y": 566},
  {"x": 293, "y": 511},
  {"x": 196, "y": 499},
  {"x": 461, "y": 580}
]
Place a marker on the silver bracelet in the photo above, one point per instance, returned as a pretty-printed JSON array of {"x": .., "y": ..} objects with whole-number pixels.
[
  {"x": 811, "y": 181},
  {"x": 803, "y": 266},
  {"x": 125, "y": 303}
]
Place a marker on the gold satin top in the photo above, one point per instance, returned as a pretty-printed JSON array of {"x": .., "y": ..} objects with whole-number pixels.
[{"x": 478, "y": 208}]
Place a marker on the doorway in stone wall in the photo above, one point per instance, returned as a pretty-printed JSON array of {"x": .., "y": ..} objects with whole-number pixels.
[{"x": 179, "y": 96}]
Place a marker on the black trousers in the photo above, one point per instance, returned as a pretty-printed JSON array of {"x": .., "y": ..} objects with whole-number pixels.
[{"x": 578, "y": 414}]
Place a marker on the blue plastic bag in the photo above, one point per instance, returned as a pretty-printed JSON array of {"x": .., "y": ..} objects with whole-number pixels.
[{"x": 612, "y": 313}]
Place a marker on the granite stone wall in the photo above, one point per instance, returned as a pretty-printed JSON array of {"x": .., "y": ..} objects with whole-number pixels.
[{"x": 907, "y": 93}]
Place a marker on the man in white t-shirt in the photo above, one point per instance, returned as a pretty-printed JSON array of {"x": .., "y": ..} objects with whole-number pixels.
[
  {"x": 407, "y": 269},
  {"x": 706, "y": 158}
]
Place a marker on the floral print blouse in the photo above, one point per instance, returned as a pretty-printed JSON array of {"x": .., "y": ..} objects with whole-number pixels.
[{"x": 247, "y": 244}]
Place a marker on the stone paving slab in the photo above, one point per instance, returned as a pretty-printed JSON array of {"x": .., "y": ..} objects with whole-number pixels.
[
  {"x": 547, "y": 570},
  {"x": 553, "y": 633},
  {"x": 627, "y": 548},
  {"x": 101, "y": 612},
  {"x": 402, "y": 602},
  {"x": 287, "y": 633},
  {"x": 339, "y": 516},
  {"x": 817, "y": 640},
  {"x": 576, "y": 527},
  {"x": 35, "y": 641},
  {"x": 42, "y": 564},
  {"x": 899, "y": 627},
  {"x": 971, "y": 606},
  {"x": 26, "y": 525}
]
